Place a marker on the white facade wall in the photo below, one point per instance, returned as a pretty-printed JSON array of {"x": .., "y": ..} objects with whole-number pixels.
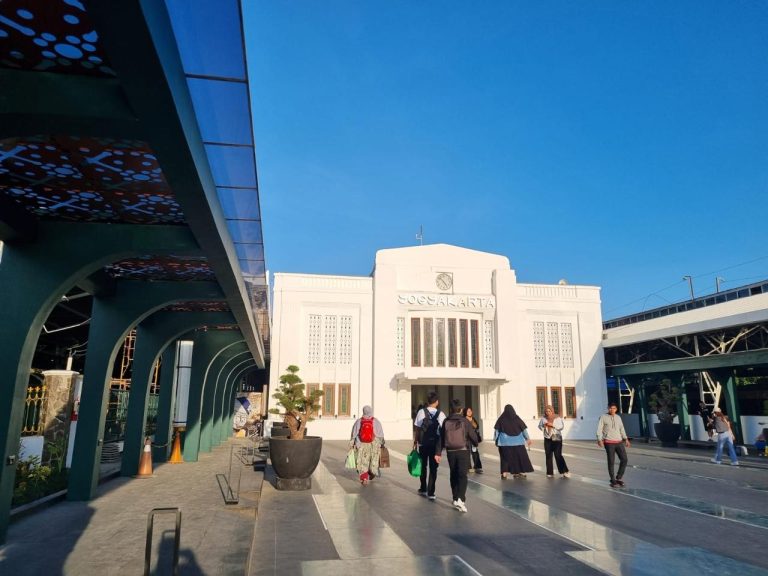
[{"x": 475, "y": 290}]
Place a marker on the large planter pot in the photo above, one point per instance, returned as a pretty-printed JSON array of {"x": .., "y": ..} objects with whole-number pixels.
[
  {"x": 294, "y": 461},
  {"x": 668, "y": 433}
]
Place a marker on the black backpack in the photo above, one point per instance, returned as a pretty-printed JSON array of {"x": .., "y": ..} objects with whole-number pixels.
[{"x": 430, "y": 428}]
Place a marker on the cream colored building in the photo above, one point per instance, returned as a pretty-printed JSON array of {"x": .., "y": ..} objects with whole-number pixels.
[{"x": 441, "y": 318}]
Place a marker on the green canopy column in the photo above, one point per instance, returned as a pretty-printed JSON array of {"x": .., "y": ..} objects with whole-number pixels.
[
  {"x": 209, "y": 394},
  {"x": 642, "y": 402},
  {"x": 732, "y": 404},
  {"x": 112, "y": 319},
  {"x": 152, "y": 336},
  {"x": 165, "y": 404},
  {"x": 33, "y": 278},
  {"x": 207, "y": 345},
  {"x": 682, "y": 410},
  {"x": 224, "y": 427},
  {"x": 231, "y": 393},
  {"x": 213, "y": 381}
]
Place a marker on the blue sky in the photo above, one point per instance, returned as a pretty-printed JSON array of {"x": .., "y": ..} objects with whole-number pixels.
[{"x": 620, "y": 144}]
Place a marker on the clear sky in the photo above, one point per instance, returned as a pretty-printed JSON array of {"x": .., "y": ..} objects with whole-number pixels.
[{"x": 622, "y": 144}]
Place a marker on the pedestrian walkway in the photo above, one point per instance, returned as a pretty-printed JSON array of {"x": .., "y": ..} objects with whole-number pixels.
[
  {"x": 106, "y": 536},
  {"x": 678, "y": 515}
]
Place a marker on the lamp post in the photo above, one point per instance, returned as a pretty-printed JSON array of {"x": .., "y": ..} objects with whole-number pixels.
[
  {"x": 690, "y": 285},
  {"x": 717, "y": 283}
]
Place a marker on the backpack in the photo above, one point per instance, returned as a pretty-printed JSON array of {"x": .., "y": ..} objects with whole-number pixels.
[
  {"x": 430, "y": 428},
  {"x": 366, "y": 434},
  {"x": 455, "y": 434}
]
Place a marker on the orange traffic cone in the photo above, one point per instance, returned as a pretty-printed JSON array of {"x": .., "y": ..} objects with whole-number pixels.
[
  {"x": 145, "y": 462},
  {"x": 176, "y": 457}
]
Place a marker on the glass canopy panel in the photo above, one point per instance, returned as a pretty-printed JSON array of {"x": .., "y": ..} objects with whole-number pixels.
[
  {"x": 209, "y": 37},
  {"x": 239, "y": 203},
  {"x": 232, "y": 166},
  {"x": 245, "y": 231},
  {"x": 250, "y": 251},
  {"x": 222, "y": 110},
  {"x": 253, "y": 267}
]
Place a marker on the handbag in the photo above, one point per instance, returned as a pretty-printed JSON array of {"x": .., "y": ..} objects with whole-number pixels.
[
  {"x": 384, "y": 457},
  {"x": 351, "y": 462},
  {"x": 414, "y": 463}
]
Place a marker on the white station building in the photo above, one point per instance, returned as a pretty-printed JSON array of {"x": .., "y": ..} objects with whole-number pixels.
[{"x": 442, "y": 318}]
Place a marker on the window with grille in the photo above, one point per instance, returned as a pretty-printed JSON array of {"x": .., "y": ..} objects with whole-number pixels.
[
  {"x": 313, "y": 339},
  {"x": 474, "y": 343},
  {"x": 452, "y": 342},
  {"x": 440, "y": 330},
  {"x": 570, "y": 402},
  {"x": 345, "y": 395},
  {"x": 329, "y": 399},
  {"x": 488, "y": 343},
  {"x": 541, "y": 400},
  {"x": 556, "y": 399},
  {"x": 539, "y": 356},
  {"x": 566, "y": 344},
  {"x": 464, "y": 343},
  {"x": 400, "y": 341},
  {"x": 345, "y": 340},
  {"x": 428, "y": 341},
  {"x": 553, "y": 346},
  {"x": 329, "y": 340},
  {"x": 311, "y": 388},
  {"x": 415, "y": 341}
]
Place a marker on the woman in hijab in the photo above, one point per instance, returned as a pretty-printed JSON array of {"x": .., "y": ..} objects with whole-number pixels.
[
  {"x": 511, "y": 437},
  {"x": 367, "y": 438}
]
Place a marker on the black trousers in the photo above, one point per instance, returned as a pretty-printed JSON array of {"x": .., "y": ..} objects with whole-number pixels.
[
  {"x": 554, "y": 449},
  {"x": 428, "y": 464},
  {"x": 476, "y": 464},
  {"x": 458, "y": 461},
  {"x": 611, "y": 451}
]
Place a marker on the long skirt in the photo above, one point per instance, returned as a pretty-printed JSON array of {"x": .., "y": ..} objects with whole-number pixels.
[
  {"x": 368, "y": 457},
  {"x": 515, "y": 460}
]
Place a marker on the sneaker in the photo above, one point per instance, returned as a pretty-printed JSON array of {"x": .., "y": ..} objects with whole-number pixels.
[
  {"x": 461, "y": 506},
  {"x": 432, "y": 498},
  {"x": 566, "y": 474},
  {"x": 471, "y": 470},
  {"x": 613, "y": 483},
  {"x": 550, "y": 475},
  {"x": 479, "y": 470},
  {"x": 619, "y": 481},
  {"x": 504, "y": 476},
  {"x": 421, "y": 492},
  {"x": 455, "y": 503},
  {"x": 715, "y": 461},
  {"x": 735, "y": 463}
]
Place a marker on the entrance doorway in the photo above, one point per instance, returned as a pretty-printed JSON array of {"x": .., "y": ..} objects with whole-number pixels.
[{"x": 469, "y": 395}]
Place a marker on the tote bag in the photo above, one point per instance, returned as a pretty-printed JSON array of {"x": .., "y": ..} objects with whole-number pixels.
[
  {"x": 414, "y": 463},
  {"x": 351, "y": 461}
]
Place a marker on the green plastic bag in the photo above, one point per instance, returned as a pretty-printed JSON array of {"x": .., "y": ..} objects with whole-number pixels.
[
  {"x": 351, "y": 462},
  {"x": 414, "y": 463}
]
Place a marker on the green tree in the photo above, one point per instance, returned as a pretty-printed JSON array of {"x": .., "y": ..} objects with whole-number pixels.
[{"x": 297, "y": 406}]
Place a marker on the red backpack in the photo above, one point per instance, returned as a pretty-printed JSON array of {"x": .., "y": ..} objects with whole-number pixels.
[{"x": 366, "y": 430}]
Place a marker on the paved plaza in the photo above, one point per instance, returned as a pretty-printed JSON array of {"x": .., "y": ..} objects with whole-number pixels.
[{"x": 678, "y": 514}]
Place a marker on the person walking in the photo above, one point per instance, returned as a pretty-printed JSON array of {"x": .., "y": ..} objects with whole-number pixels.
[
  {"x": 708, "y": 420},
  {"x": 367, "y": 438},
  {"x": 611, "y": 436},
  {"x": 426, "y": 436},
  {"x": 724, "y": 438},
  {"x": 457, "y": 436},
  {"x": 511, "y": 436},
  {"x": 552, "y": 426},
  {"x": 475, "y": 465}
]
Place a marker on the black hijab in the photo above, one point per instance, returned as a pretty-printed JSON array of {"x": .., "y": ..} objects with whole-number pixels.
[{"x": 509, "y": 422}]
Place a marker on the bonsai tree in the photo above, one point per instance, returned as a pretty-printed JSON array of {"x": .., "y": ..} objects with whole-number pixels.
[
  {"x": 297, "y": 406},
  {"x": 664, "y": 401}
]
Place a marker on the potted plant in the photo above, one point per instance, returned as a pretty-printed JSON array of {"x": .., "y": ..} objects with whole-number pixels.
[
  {"x": 295, "y": 457},
  {"x": 664, "y": 402}
]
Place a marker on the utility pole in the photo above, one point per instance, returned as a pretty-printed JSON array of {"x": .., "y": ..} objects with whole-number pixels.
[
  {"x": 690, "y": 285},
  {"x": 420, "y": 235}
]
